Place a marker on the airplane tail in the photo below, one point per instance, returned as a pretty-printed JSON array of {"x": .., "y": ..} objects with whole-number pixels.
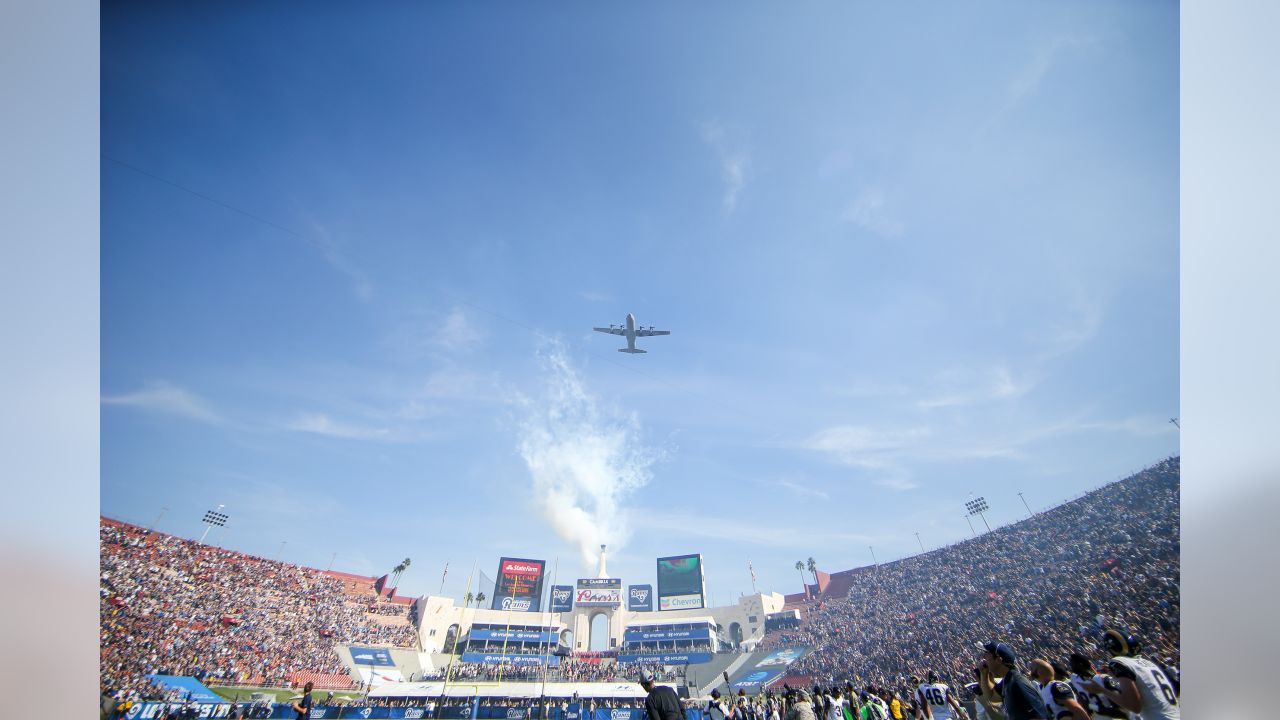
[{"x": 632, "y": 350}]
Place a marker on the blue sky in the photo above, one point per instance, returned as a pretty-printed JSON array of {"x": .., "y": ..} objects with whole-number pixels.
[{"x": 906, "y": 254}]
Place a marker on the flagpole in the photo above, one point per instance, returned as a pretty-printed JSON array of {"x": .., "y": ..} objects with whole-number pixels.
[
  {"x": 443, "y": 576},
  {"x": 546, "y": 661},
  {"x": 453, "y": 653}
]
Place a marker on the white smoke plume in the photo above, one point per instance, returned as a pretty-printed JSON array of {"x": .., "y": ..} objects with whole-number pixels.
[{"x": 585, "y": 461}]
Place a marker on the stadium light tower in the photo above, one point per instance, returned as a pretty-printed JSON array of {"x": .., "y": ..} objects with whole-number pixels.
[
  {"x": 1025, "y": 505},
  {"x": 212, "y": 519},
  {"x": 978, "y": 506},
  {"x": 975, "y": 532}
]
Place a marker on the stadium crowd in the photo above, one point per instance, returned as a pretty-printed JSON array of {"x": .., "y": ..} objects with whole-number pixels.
[
  {"x": 175, "y": 606},
  {"x": 1047, "y": 586}
]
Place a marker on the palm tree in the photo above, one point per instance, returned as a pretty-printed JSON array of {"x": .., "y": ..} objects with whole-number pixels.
[
  {"x": 469, "y": 597},
  {"x": 479, "y": 599},
  {"x": 813, "y": 568},
  {"x": 803, "y": 584}
]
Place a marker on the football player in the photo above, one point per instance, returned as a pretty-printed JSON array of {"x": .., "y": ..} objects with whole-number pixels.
[
  {"x": 1058, "y": 696},
  {"x": 1142, "y": 687},
  {"x": 937, "y": 701}
]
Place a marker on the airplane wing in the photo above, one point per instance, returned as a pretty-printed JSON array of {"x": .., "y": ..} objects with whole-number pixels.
[
  {"x": 649, "y": 333},
  {"x": 612, "y": 331}
]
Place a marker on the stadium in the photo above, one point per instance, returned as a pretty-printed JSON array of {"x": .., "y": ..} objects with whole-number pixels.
[{"x": 220, "y": 633}]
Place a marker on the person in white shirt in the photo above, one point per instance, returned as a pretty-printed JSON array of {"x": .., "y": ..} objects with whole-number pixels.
[
  {"x": 835, "y": 704},
  {"x": 1143, "y": 688}
]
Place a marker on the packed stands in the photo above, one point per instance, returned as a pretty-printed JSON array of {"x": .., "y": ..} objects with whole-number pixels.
[
  {"x": 174, "y": 606},
  {"x": 1047, "y": 585}
]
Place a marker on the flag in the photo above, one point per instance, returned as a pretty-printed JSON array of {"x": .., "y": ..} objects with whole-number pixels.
[
  {"x": 753, "y": 571},
  {"x": 391, "y": 593},
  {"x": 378, "y": 584}
]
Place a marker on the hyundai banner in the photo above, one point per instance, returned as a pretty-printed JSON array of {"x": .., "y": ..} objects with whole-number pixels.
[
  {"x": 509, "y": 658},
  {"x": 650, "y": 635},
  {"x": 514, "y": 635},
  {"x": 672, "y": 658},
  {"x": 640, "y": 598},
  {"x": 371, "y": 656},
  {"x": 561, "y": 598},
  {"x": 598, "y": 592}
]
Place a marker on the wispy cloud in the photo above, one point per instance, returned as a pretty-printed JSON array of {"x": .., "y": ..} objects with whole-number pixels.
[
  {"x": 166, "y": 398},
  {"x": 1026, "y": 83},
  {"x": 457, "y": 333},
  {"x": 868, "y": 212},
  {"x": 735, "y": 162},
  {"x": 322, "y": 424},
  {"x": 994, "y": 384},
  {"x": 879, "y": 452},
  {"x": 801, "y": 490},
  {"x": 333, "y": 253},
  {"x": 1084, "y": 317},
  {"x": 768, "y": 534}
]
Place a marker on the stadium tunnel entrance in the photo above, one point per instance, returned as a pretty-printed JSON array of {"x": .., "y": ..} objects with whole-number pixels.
[{"x": 599, "y": 638}]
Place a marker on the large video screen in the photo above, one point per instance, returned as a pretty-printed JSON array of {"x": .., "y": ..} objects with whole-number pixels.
[
  {"x": 680, "y": 583},
  {"x": 519, "y": 585}
]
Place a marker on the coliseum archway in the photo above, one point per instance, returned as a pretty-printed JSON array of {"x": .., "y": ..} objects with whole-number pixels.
[{"x": 599, "y": 639}]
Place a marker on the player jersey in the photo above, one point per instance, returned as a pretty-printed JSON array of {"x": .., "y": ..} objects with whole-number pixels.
[
  {"x": 936, "y": 694},
  {"x": 1097, "y": 703},
  {"x": 875, "y": 709},
  {"x": 1055, "y": 694},
  {"x": 1159, "y": 701}
]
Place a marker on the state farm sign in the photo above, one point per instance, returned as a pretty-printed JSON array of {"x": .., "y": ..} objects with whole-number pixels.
[
  {"x": 517, "y": 567},
  {"x": 598, "y": 596}
]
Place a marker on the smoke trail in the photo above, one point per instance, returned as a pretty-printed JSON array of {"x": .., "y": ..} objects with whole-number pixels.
[{"x": 584, "y": 461}]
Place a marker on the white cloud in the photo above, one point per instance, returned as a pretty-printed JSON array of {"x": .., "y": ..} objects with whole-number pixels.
[
  {"x": 457, "y": 333},
  {"x": 735, "y": 163},
  {"x": 994, "y": 384},
  {"x": 1026, "y": 83},
  {"x": 321, "y": 424},
  {"x": 167, "y": 398},
  {"x": 800, "y": 489},
  {"x": 880, "y": 452},
  {"x": 333, "y": 254},
  {"x": 868, "y": 212},
  {"x": 854, "y": 442},
  {"x": 741, "y": 531}
]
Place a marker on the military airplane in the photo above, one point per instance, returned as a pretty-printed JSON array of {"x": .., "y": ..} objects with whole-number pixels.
[{"x": 631, "y": 331}]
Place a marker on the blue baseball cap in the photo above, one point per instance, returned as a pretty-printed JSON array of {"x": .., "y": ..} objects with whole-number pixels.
[{"x": 1002, "y": 651}]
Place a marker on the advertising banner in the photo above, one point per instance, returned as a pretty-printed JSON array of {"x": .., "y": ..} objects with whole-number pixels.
[
  {"x": 561, "y": 598},
  {"x": 640, "y": 598},
  {"x": 510, "y": 659},
  {"x": 680, "y": 583},
  {"x": 767, "y": 668},
  {"x": 598, "y": 592},
  {"x": 374, "y": 678},
  {"x": 502, "y": 635},
  {"x": 644, "y": 635},
  {"x": 519, "y": 585},
  {"x": 371, "y": 656},
  {"x": 671, "y": 658}
]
